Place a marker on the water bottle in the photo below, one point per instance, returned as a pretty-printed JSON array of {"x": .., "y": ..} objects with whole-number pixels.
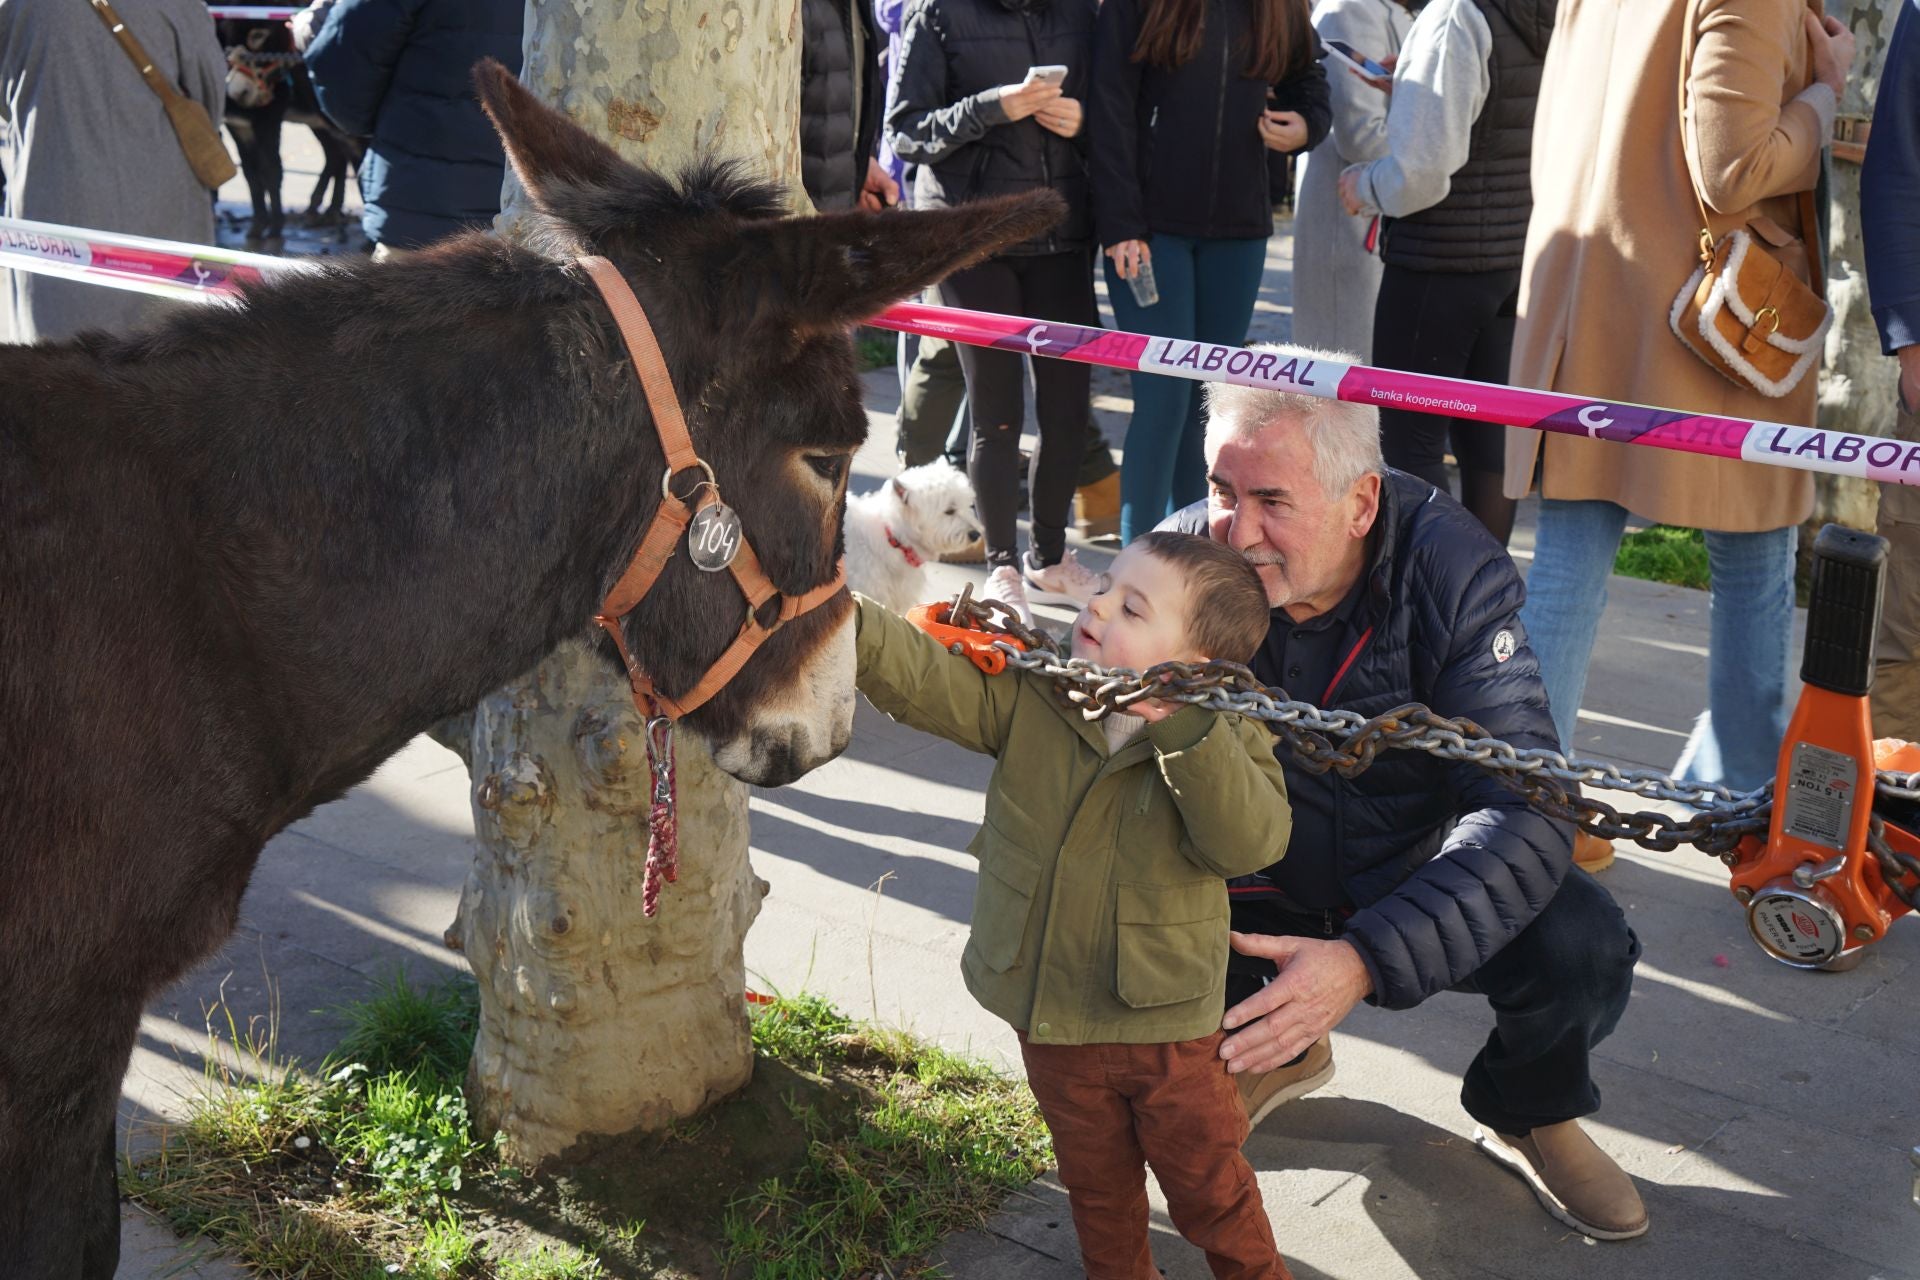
[{"x": 1145, "y": 291}]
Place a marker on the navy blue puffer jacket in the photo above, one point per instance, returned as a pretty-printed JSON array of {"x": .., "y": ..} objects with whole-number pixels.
[
  {"x": 1443, "y": 865},
  {"x": 400, "y": 73}
]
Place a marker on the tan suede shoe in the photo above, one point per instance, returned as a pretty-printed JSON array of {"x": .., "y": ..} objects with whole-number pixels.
[
  {"x": 1591, "y": 853},
  {"x": 1575, "y": 1180},
  {"x": 1262, "y": 1092}
]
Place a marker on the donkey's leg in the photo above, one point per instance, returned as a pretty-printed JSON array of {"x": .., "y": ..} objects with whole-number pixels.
[
  {"x": 59, "y": 1196},
  {"x": 333, "y": 175},
  {"x": 271, "y": 170},
  {"x": 247, "y": 142},
  {"x": 101, "y": 1236}
]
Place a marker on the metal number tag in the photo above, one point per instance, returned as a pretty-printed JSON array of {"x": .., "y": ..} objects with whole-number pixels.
[{"x": 713, "y": 539}]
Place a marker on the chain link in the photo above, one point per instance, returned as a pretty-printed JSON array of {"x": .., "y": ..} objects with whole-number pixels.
[{"x": 1345, "y": 742}]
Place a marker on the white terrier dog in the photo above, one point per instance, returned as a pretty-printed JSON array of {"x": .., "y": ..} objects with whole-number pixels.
[{"x": 921, "y": 514}]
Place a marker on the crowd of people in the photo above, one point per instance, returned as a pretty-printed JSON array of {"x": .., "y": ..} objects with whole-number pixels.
[{"x": 1566, "y": 195}]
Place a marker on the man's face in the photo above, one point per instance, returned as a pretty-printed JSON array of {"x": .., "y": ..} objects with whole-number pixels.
[{"x": 1264, "y": 501}]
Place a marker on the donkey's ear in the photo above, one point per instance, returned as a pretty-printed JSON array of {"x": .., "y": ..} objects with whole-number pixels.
[
  {"x": 548, "y": 152},
  {"x": 838, "y": 269}
]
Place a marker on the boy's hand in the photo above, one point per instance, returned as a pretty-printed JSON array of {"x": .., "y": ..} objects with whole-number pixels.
[{"x": 1154, "y": 710}]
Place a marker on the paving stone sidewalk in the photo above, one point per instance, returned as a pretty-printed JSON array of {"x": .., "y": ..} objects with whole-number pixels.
[{"x": 1766, "y": 1112}]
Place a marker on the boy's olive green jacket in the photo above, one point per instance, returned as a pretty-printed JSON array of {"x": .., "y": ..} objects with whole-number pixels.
[{"x": 1100, "y": 914}]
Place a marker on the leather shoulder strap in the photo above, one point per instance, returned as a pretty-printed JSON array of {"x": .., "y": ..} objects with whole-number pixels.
[
  {"x": 135, "y": 51},
  {"x": 1689, "y": 15},
  {"x": 1809, "y": 219}
]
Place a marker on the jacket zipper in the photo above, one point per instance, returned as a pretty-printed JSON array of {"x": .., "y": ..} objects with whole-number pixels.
[
  {"x": 1219, "y": 122},
  {"x": 1046, "y": 169}
]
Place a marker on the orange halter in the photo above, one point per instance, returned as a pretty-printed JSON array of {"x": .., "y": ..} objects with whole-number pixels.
[{"x": 717, "y": 541}]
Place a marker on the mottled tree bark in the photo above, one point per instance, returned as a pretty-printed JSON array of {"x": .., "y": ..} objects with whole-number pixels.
[
  {"x": 1857, "y": 383},
  {"x": 594, "y": 1019}
]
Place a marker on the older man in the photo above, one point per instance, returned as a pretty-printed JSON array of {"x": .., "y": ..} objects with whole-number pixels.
[{"x": 1418, "y": 876}]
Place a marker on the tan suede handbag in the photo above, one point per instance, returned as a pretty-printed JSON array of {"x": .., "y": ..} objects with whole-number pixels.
[
  {"x": 199, "y": 139},
  {"x": 1755, "y": 308}
]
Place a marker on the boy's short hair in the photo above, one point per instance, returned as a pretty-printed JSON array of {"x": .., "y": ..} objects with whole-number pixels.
[{"x": 1227, "y": 610}]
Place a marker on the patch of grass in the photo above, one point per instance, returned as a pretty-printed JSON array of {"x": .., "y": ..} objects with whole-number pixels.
[
  {"x": 1664, "y": 554},
  {"x": 404, "y": 1028},
  {"x": 863, "y": 1147},
  {"x": 546, "y": 1263},
  {"x": 875, "y": 348},
  {"x": 937, "y": 1146},
  {"x": 445, "y": 1249},
  {"x": 800, "y": 1029},
  {"x": 410, "y": 1132}
]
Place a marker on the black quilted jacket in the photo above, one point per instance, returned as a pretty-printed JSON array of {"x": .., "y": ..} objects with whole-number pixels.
[
  {"x": 947, "y": 118},
  {"x": 1442, "y": 864}
]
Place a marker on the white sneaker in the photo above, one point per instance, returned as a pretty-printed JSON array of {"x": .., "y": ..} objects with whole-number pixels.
[
  {"x": 1069, "y": 578},
  {"x": 1004, "y": 585}
]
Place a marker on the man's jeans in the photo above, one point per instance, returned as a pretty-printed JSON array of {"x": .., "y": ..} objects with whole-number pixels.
[
  {"x": 1735, "y": 743},
  {"x": 1557, "y": 990}
]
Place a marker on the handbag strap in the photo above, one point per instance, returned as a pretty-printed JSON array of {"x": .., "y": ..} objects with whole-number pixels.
[
  {"x": 1809, "y": 221},
  {"x": 148, "y": 72}
]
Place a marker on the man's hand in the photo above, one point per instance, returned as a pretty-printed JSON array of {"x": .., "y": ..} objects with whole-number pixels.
[
  {"x": 1909, "y": 358},
  {"x": 1063, "y": 116},
  {"x": 1022, "y": 100},
  {"x": 879, "y": 191},
  {"x": 1831, "y": 44},
  {"x": 1318, "y": 985},
  {"x": 1283, "y": 131},
  {"x": 1350, "y": 190}
]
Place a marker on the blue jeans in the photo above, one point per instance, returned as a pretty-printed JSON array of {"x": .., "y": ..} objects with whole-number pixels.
[
  {"x": 1207, "y": 290},
  {"x": 1736, "y": 741}
]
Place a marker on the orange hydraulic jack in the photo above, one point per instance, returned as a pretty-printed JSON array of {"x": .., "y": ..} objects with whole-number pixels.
[{"x": 1813, "y": 888}]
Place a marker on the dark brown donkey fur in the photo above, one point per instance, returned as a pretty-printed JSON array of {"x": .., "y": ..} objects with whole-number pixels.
[{"x": 233, "y": 580}]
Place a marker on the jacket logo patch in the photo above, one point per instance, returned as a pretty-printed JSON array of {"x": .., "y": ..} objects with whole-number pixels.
[{"x": 1503, "y": 646}]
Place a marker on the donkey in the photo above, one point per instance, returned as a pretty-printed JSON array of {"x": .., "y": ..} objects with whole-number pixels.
[
  {"x": 267, "y": 87},
  {"x": 233, "y": 582}
]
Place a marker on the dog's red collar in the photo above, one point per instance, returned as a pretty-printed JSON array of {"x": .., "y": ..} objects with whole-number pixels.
[{"x": 913, "y": 557}]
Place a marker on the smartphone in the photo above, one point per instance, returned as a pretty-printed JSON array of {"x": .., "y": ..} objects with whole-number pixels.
[
  {"x": 1354, "y": 58},
  {"x": 1053, "y": 74}
]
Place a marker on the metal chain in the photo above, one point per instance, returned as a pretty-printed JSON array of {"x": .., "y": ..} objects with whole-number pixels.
[{"x": 1323, "y": 739}]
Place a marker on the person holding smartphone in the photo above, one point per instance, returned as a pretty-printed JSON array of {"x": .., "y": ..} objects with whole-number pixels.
[
  {"x": 989, "y": 103},
  {"x": 1336, "y": 259},
  {"x": 1195, "y": 105}
]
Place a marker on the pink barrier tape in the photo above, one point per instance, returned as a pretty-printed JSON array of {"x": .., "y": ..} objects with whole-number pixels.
[
  {"x": 255, "y": 13},
  {"x": 1774, "y": 443},
  {"x": 194, "y": 272},
  {"x": 163, "y": 268}
]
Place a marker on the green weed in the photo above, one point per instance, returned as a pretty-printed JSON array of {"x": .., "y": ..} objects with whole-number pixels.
[{"x": 1664, "y": 554}]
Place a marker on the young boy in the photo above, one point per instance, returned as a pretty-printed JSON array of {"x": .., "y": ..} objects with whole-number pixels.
[{"x": 1100, "y": 916}]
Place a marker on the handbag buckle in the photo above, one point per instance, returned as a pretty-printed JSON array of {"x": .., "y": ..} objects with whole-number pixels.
[{"x": 1756, "y": 335}]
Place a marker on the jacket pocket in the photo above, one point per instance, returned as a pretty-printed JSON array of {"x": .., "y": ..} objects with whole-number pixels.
[
  {"x": 1171, "y": 944},
  {"x": 1002, "y": 899}
]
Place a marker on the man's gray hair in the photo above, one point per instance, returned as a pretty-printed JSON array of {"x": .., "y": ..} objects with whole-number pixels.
[{"x": 1345, "y": 437}]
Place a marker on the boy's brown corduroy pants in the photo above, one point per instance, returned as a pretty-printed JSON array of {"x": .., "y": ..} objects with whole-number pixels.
[{"x": 1116, "y": 1108}]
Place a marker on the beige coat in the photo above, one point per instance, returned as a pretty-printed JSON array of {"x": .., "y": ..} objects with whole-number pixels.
[{"x": 1615, "y": 232}]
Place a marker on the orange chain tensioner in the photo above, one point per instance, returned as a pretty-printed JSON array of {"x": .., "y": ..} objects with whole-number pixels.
[
  {"x": 977, "y": 646},
  {"x": 1814, "y": 888}
]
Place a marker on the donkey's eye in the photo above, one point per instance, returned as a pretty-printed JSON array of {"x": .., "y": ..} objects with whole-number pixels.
[{"x": 828, "y": 466}]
